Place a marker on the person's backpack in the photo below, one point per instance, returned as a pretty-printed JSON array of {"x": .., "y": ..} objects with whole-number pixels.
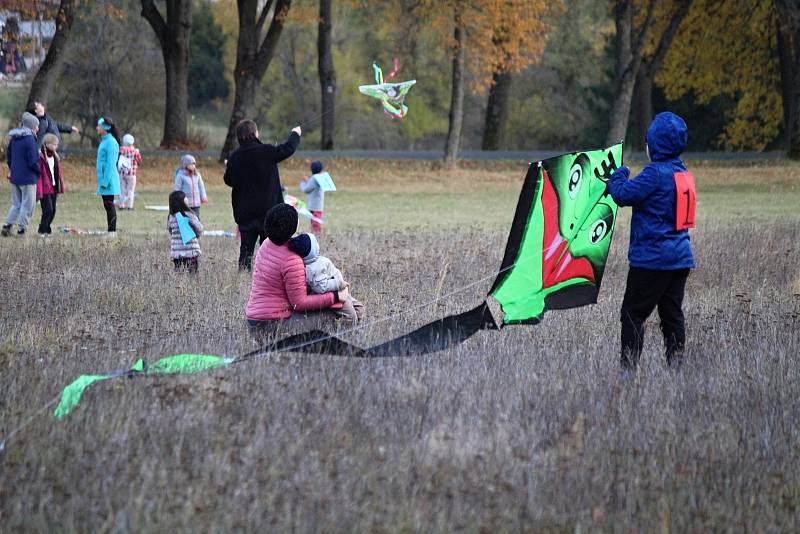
[{"x": 125, "y": 163}]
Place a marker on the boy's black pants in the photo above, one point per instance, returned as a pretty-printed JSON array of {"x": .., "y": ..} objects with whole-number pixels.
[
  {"x": 647, "y": 289},
  {"x": 48, "y": 203}
]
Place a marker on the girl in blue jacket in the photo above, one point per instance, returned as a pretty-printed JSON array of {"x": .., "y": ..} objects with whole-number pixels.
[
  {"x": 660, "y": 252},
  {"x": 107, "y": 174}
]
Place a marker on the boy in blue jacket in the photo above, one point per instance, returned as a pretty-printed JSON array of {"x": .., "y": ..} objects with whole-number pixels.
[
  {"x": 23, "y": 165},
  {"x": 660, "y": 252}
]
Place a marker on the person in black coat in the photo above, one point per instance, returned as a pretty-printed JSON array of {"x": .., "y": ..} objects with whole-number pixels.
[
  {"x": 252, "y": 172},
  {"x": 48, "y": 124}
]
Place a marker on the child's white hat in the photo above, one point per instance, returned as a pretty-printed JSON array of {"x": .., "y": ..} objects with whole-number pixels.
[
  {"x": 127, "y": 140},
  {"x": 187, "y": 160}
]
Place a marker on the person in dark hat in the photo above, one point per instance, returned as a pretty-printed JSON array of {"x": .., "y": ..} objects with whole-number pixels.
[{"x": 278, "y": 293}]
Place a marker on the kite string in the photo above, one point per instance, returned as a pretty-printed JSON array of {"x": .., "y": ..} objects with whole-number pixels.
[
  {"x": 27, "y": 422},
  {"x": 318, "y": 116}
]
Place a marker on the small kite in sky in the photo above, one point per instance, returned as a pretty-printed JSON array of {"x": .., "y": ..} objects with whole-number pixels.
[{"x": 391, "y": 95}]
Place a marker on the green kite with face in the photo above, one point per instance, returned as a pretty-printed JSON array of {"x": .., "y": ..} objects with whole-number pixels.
[{"x": 560, "y": 237}]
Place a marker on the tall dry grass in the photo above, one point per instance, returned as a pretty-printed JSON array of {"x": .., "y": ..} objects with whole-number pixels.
[{"x": 523, "y": 429}]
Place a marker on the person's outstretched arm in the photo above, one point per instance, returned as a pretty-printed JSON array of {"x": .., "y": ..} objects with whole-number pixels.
[
  {"x": 631, "y": 191},
  {"x": 65, "y": 128},
  {"x": 288, "y": 148}
]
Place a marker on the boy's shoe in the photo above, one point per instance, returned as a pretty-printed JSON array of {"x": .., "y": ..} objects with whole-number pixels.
[
  {"x": 6, "y": 231},
  {"x": 21, "y": 232}
]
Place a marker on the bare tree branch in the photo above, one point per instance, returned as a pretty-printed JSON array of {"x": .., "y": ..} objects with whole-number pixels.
[
  {"x": 270, "y": 43},
  {"x": 262, "y": 18},
  {"x": 669, "y": 34},
  {"x": 153, "y": 16}
]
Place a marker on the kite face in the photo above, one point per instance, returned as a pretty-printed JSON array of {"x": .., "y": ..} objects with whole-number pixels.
[{"x": 560, "y": 237}]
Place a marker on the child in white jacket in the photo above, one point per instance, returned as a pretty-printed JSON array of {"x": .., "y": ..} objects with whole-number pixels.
[
  {"x": 322, "y": 275},
  {"x": 189, "y": 180}
]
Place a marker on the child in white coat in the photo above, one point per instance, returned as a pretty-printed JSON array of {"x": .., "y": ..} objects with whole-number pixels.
[
  {"x": 189, "y": 180},
  {"x": 322, "y": 275}
]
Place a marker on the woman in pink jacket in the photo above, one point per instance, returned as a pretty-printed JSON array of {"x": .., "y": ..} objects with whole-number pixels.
[{"x": 278, "y": 294}]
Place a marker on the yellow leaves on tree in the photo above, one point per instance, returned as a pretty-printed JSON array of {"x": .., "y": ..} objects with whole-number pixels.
[
  {"x": 727, "y": 48},
  {"x": 502, "y": 35}
]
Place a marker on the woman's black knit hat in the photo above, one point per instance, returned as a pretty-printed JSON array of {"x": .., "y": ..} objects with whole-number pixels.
[{"x": 280, "y": 224}]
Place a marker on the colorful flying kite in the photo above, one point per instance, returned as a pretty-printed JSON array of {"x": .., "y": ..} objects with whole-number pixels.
[{"x": 391, "y": 95}]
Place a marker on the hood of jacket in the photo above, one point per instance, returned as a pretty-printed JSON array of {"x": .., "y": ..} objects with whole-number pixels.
[
  {"x": 666, "y": 136},
  {"x": 17, "y": 133},
  {"x": 313, "y": 254}
]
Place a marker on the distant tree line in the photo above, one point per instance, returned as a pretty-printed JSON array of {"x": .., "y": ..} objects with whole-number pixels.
[{"x": 491, "y": 73}]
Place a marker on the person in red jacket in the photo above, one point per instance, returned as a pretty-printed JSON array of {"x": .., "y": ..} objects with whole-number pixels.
[
  {"x": 51, "y": 182},
  {"x": 278, "y": 293}
]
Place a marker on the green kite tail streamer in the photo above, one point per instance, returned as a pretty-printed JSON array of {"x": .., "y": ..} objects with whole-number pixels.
[
  {"x": 187, "y": 364},
  {"x": 178, "y": 364},
  {"x": 72, "y": 394}
]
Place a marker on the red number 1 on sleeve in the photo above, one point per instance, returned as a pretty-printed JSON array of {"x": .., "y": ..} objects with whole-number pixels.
[{"x": 686, "y": 200}]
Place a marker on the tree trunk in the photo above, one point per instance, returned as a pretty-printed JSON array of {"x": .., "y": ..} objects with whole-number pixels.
[
  {"x": 628, "y": 61},
  {"x": 788, "y": 37},
  {"x": 253, "y": 56},
  {"x": 644, "y": 106},
  {"x": 625, "y": 77},
  {"x": 327, "y": 74},
  {"x": 176, "y": 114},
  {"x": 649, "y": 68},
  {"x": 243, "y": 107},
  {"x": 456, "y": 117},
  {"x": 496, "y": 111},
  {"x": 173, "y": 36},
  {"x": 48, "y": 72}
]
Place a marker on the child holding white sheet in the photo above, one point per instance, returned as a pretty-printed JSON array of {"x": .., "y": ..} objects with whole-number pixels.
[
  {"x": 185, "y": 254},
  {"x": 315, "y": 186}
]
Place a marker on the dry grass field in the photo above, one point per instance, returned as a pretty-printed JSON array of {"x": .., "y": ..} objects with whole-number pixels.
[{"x": 525, "y": 429}]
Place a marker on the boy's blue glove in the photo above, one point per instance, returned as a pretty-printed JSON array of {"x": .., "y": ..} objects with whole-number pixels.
[{"x": 622, "y": 173}]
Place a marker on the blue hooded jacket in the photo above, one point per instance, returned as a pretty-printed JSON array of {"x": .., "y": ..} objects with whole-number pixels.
[
  {"x": 655, "y": 243},
  {"x": 23, "y": 157}
]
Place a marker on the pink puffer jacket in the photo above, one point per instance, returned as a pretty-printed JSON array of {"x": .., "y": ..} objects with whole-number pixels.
[{"x": 279, "y": 286}]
